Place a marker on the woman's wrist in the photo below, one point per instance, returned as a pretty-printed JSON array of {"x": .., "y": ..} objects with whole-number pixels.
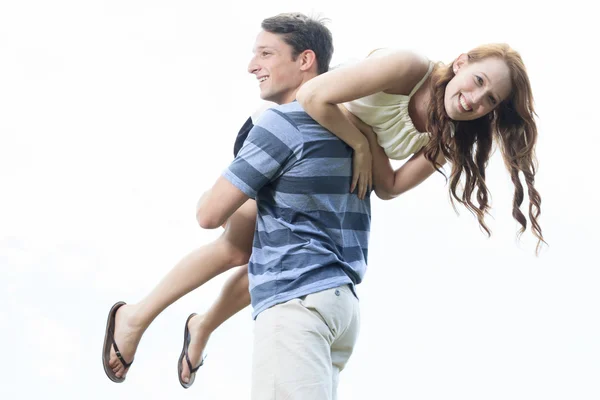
[{"x": 361, "y": 145}]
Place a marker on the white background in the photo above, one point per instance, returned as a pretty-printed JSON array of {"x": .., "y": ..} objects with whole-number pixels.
[{"x": 115, "y": 116}]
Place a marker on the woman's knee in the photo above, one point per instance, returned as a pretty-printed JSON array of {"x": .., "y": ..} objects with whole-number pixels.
[
  {"x": 236, "y": 255},
  {"x": 240, "y": 257},
  {"x": 239, "y": 234}
]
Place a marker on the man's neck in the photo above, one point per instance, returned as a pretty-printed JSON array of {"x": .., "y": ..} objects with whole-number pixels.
[{"x": 292, "y": 96}]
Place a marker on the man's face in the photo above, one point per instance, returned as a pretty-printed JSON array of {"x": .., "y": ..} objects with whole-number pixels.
[{"x": 279, "y": 75}]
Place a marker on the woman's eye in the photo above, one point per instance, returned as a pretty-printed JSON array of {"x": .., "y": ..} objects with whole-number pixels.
[{"x": 479, "y": 80}]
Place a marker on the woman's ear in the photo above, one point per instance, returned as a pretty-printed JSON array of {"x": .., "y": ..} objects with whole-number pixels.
[{"x": 460, "y": 62}]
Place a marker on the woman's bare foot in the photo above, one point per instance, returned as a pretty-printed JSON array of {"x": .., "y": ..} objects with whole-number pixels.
[
  {"x": 127, "y": 337},
  {"x": 199, "y": 335}
]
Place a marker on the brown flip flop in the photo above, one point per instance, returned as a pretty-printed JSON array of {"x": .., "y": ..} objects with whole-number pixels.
[
  {"x": 109, "y": 341},
  {"x": 184, "y": 353}
]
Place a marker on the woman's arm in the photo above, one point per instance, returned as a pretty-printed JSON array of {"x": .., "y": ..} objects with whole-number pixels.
[
  {"x": 388, "y": 183},
  {"x": 408, "y": 176},
  {"x": 321, "y": 96}
]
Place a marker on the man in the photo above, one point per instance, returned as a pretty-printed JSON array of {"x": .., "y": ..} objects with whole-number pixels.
[{"x": 311, "y": 237}]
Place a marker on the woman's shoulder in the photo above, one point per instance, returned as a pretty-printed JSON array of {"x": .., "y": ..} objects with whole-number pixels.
[
  {"x": 413, "y": 66},
  {"x": 409, "y": 57}
]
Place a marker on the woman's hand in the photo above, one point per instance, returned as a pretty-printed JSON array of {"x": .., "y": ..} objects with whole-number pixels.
[
  {"x": 362, "y": 173},
  {"x": 362, "y": 160}
]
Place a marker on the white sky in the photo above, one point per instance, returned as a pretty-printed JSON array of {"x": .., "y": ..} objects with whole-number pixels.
[{"x": 116, "y": 115}]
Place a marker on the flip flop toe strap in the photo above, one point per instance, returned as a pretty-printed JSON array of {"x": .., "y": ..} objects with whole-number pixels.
[
  {"x": 189, "y": 363},
  {"x": 119, "y": 356}
]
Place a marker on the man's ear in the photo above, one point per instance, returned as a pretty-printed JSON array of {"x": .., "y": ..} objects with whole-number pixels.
[
  {"x": 308, "y": 59},
  {"x": 460, "y": 62}
]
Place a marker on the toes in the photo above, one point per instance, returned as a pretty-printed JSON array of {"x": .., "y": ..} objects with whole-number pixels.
[
  {"x": 120, "y": 372},
  {"x": 115, "y": 362},
  {"x": 185, "y": 374},
  {"x": 185, "y": 371}
]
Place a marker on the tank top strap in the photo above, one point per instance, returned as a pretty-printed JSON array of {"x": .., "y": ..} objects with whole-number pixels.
[{"x": 418, "y": 85}]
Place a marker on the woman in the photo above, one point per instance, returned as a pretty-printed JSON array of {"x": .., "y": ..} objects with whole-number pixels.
[
  {"x": 482, "y": 96},
  {"x": 393, "y": 104}
]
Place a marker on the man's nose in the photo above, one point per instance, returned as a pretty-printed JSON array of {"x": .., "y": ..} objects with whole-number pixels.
[{"x": 252, "y": 66}]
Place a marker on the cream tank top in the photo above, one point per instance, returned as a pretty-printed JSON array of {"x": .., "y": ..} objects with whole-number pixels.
[{"x": 388, "y": 115}]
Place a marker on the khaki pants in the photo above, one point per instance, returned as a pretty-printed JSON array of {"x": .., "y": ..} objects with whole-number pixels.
[{"x": 301, "y": 346}]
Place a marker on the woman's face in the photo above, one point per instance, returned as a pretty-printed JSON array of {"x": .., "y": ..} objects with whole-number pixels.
[{"x": 477, "y": 88}]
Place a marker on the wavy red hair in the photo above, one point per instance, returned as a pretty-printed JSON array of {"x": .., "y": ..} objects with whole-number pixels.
[{"x": 467, "y": 145}]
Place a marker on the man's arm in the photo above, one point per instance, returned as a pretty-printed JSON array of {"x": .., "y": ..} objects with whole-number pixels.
[
  {"x": 219, "y": 203},
  {"x": 212, "y": 210},
  {"x": 266, "y": 151}
]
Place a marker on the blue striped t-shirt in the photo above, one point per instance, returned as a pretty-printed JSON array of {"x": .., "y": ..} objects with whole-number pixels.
[{"x": 311, "y": 234}]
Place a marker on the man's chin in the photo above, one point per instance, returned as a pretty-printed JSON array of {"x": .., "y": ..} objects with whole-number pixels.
[{"x": 265, "y": 96}]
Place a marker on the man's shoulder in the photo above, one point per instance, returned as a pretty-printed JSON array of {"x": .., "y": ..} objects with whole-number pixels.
[
  {"x": 295, "y": 114},
  {"x": 287, "y": 108},
  {"x": 291, "y": 112},
  {"x": 279, "y": 124},
  {"x": 280, "y": 112},
  {"x": 284, "y": 119}
]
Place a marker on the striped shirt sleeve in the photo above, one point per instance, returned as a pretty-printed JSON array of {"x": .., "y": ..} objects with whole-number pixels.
[{"x": 272, "y": 147}]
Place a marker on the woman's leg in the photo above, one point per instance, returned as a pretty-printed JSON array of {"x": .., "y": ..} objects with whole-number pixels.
[
  {"x": 233, "y": 298},
  {"x": 231, "y": 249}
]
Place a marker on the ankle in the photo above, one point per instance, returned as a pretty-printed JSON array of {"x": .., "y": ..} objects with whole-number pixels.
[
  {"x": 137, "y": 318},
  {"x": 202, "y": 325}
]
